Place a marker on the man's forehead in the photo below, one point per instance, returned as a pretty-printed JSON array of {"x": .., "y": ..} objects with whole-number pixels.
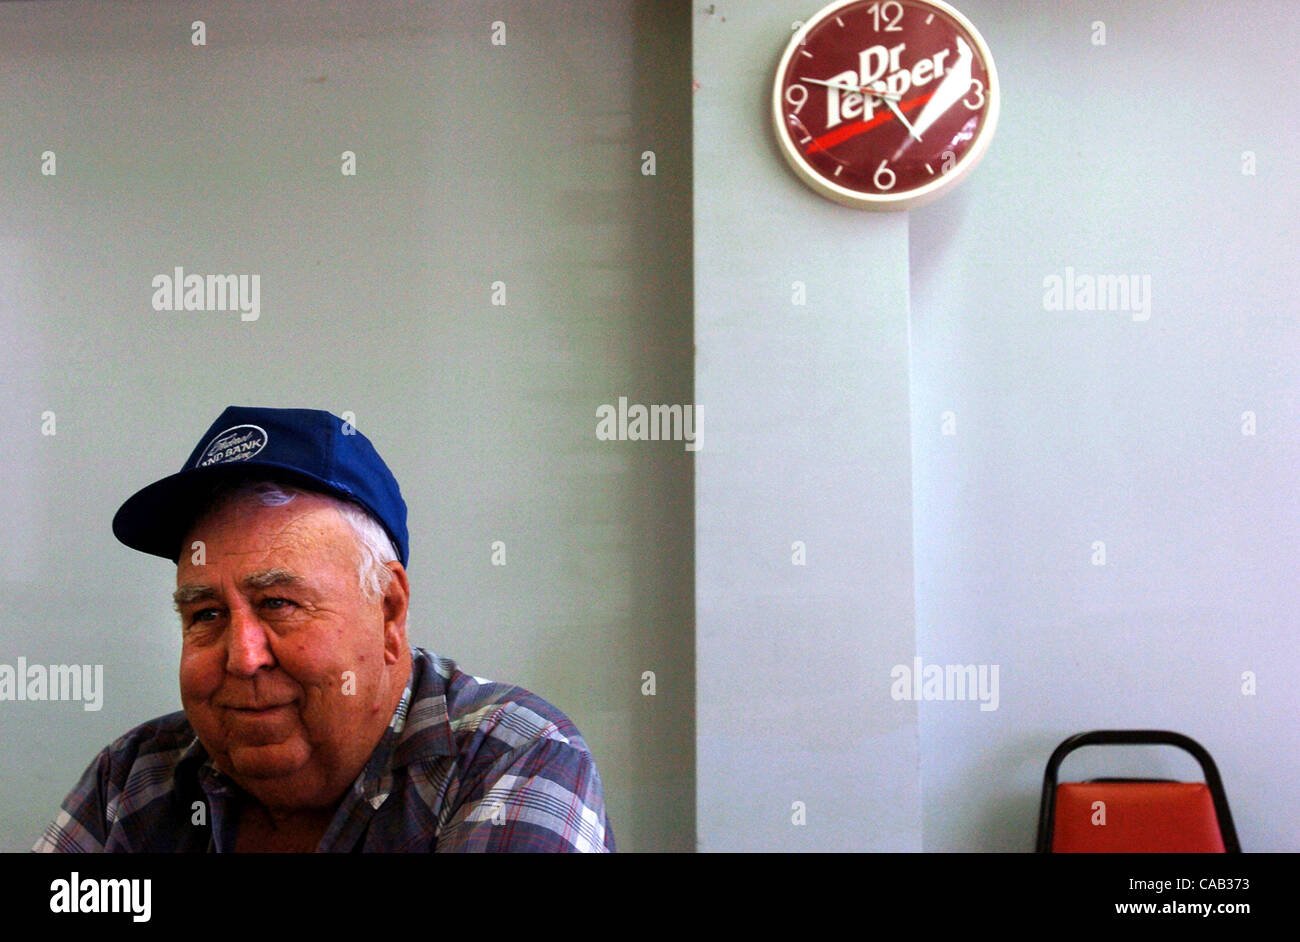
[
  {"x": 309, "y": 525},
  {"x": 296, "y": 548}
]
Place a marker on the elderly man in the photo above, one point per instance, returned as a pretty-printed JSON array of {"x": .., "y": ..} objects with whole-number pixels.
[{"x": 309, "y": 723}]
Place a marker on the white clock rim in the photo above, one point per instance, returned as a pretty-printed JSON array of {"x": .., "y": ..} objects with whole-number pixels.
[{"x": 895, "y": 201}]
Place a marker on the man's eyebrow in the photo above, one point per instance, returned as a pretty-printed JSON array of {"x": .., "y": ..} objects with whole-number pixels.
[
  {"x": 192, "y": 592},
  {"x": 262, "y": 579}
]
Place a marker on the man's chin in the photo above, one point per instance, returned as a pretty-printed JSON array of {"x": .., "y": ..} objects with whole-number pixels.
[
  {"x": 280, "y": 777},
  {"x": 267, "y": 762}
]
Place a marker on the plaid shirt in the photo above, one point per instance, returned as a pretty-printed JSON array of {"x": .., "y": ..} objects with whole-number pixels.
[{"x": 465, "y": 765}]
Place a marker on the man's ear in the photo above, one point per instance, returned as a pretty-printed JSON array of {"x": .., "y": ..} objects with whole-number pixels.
[{"x": 396, "y": 601}]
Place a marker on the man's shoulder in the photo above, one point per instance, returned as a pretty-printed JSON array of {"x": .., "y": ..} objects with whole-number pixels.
[
  {"x": 105, "y": 809},
  {"x": 146, "y": 755},
  {"x": 479, "y": 709},
  {"x": 515, "y": 772},
  {"x": 166, "y": 729}
]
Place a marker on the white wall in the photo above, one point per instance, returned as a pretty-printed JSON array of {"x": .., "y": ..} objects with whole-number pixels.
[
  {"x": 800, "y": 746},
  {"x": 477, "y": 163},
  {"x": 1074, "y": 427},
  {"x": 1070, "y": 428}
]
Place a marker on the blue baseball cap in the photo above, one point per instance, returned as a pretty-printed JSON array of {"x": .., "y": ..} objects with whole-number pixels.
[{"x": 307, "y": 447}]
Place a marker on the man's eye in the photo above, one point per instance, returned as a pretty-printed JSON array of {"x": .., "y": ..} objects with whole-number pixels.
[
  {"x": 202, "y": 619},
  {"x": 276, "y": 603}
]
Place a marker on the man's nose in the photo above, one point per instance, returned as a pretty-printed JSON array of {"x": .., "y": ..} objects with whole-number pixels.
[{"x": 248, "y": 648}]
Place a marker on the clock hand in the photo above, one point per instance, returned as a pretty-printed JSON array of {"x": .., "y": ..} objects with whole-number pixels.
[
  {"x": 899, "y": 115},
  {"x": 853, "y": 88},
  {"x": 953, "y": 87}
]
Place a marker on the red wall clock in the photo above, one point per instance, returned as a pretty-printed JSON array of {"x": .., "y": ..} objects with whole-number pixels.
[{"x": 885, "y": 104}]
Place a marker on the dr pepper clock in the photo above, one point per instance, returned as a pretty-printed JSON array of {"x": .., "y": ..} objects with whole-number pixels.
[{"x": 885, "y": 104}]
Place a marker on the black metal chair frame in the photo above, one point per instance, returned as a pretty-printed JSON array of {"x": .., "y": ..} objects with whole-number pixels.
[{"x": 1134, "y": 737}]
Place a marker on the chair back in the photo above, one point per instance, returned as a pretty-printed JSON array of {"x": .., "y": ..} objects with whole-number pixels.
[{"x": 1135, "y": 815}]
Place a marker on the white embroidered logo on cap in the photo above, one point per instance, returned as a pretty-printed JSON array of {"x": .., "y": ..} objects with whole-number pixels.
[{"x": 234, "y": 444}]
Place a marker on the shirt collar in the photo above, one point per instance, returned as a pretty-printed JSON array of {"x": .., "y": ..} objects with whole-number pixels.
[{"x": 420, "y": 726}]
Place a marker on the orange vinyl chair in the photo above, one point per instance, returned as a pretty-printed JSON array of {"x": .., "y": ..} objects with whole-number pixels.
[{"x": 1142, "y": 816}]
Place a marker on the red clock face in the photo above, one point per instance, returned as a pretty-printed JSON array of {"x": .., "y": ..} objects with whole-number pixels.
[{"x": 885, "y": 104}]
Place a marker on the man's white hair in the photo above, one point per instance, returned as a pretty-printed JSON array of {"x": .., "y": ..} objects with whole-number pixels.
[{"x": 376, "y": 547}]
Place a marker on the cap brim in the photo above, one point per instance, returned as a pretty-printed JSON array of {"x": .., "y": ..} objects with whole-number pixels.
[{"x": 156, "y": 518}]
